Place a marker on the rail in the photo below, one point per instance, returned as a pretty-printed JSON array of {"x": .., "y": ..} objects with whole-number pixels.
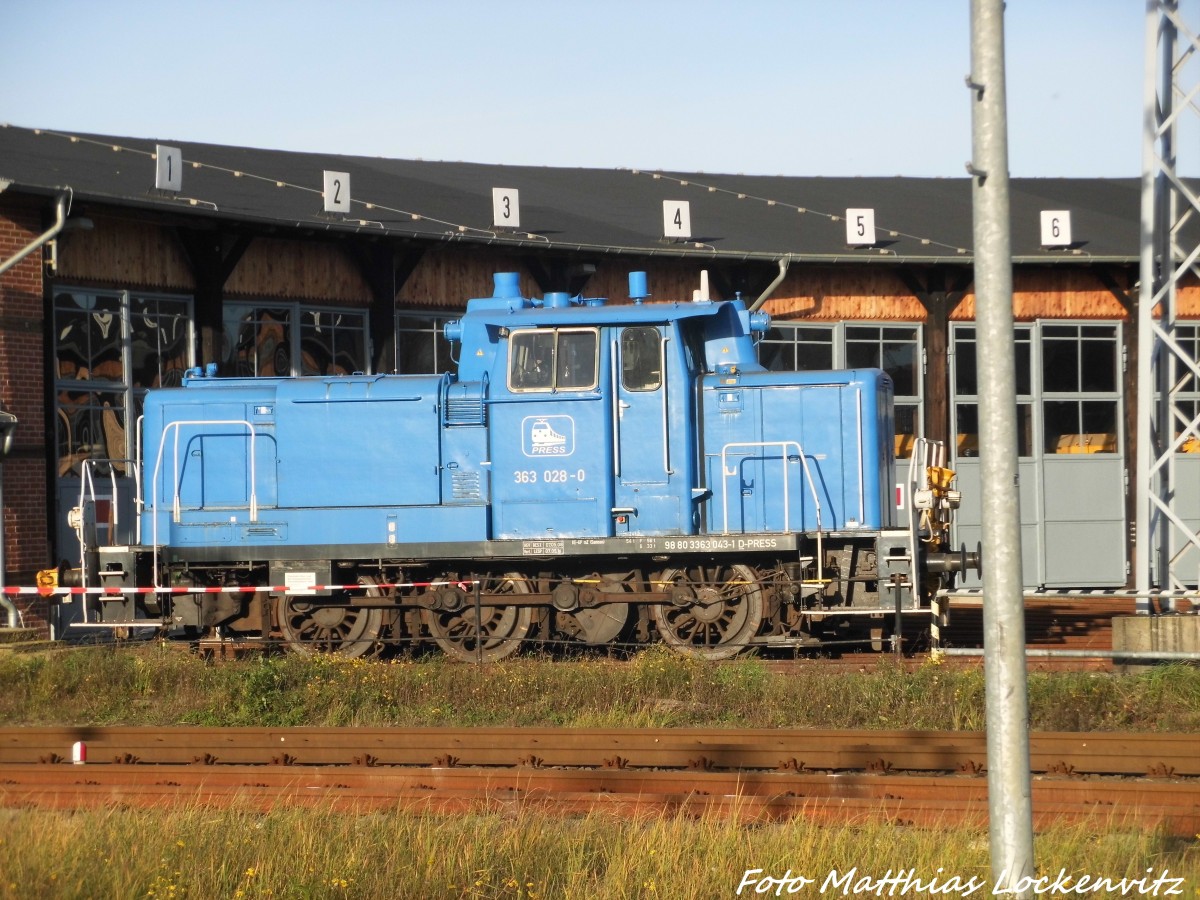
[
  {"x": 927, "y": 778},
  {"x": 1098, "y": 753}
]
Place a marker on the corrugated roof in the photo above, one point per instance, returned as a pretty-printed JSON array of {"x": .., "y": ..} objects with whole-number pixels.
[{"x": 595, "y": 210}]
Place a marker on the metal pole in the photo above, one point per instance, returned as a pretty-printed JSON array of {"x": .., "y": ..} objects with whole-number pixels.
[
  {"x": 9, "y": 606},
  {"x": 1149, "y": 529},
  {"x": 478, "y": 625},
  {"x": 1010, "y": 802}
]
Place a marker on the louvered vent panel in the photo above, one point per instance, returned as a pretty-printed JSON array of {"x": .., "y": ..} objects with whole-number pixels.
[
  {"x": 465, "y": 485},
  {"x": 465, "y": 411}
]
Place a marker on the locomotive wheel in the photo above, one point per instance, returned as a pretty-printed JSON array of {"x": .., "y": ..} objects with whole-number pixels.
[
  {"x": 311, "y": 628},
  {"x": 716, "y": 611},
  {"x": 496, "y": 634}
]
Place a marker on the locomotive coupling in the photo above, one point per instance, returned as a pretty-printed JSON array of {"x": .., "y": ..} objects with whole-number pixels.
[{"x": 955, "y": 561}]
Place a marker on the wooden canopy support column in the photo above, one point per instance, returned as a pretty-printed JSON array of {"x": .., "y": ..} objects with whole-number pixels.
[
  {"x": 747, "y": 279},
  {"x": 386, "y": 268},
  {"x": 212, "y": 256},
  {"x": 567, "y": 275},
  {"x": 939, "y": 292}
]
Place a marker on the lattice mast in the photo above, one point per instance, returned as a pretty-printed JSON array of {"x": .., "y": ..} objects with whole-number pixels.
[{"x": 1168, "y": 547}]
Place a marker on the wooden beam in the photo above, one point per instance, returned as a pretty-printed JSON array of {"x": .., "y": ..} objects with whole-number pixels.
[
  {"x": 212, "y": 256},
  {"x": 559, "y": 274},
  {"x": 930, "y": 288},
  {"x": 386, "y": 267}
]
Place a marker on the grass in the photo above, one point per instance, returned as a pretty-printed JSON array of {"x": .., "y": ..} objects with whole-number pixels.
[
  {"x": 154, "y": 685},
  {"x": 199, "y": 851},
  {"x": 289, "y": 853}
]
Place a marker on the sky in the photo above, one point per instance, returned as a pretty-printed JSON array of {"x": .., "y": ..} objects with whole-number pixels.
[{"x": 764, "y": 87}]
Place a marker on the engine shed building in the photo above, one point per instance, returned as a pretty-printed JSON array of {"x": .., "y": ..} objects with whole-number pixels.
[{"x": 143, "y": 259}]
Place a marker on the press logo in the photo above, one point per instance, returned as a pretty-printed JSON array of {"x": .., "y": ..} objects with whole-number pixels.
[{"x": 548, "y": 436}]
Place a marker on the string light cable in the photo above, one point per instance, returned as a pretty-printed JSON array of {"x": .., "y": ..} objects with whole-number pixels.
[
  {"x": 803, "y": 210},
  {"x": 458, "y": 228}
]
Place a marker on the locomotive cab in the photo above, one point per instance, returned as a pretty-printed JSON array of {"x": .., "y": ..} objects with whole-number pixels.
[{"x": 594, "y": 416}]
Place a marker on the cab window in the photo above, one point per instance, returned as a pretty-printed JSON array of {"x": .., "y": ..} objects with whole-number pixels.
[
  {"x": 552, "y": 359},
  {"x": 641, "y": 359}
]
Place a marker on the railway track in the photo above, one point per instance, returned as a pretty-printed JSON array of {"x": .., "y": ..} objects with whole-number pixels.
[{"x": 920, "y": 778}]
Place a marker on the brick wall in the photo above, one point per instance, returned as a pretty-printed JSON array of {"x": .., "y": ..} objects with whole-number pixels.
[{"x": 23, "y": 393}]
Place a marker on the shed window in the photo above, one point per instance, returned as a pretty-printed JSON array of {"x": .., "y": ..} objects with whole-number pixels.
[
  {"x": 263, "y": 341},
  {"x": 110, "y": 347},
  {"x": 1080, "y": 366},
  {"x": 421, "y": 347},
  {"x": 894, "y": 348}
]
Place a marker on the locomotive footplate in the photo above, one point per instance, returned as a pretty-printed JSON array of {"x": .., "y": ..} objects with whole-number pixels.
[{"x": 540, "y": 548}]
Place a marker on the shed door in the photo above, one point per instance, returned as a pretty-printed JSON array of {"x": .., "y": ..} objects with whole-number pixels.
[{"x": 1071, "y": 452}]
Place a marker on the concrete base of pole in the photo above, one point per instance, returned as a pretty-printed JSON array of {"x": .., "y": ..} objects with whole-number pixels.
[{"x": 1160, "y": 634}]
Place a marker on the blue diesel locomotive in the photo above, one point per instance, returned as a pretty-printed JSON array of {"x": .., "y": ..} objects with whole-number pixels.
[{"x": 594, "y": 473}]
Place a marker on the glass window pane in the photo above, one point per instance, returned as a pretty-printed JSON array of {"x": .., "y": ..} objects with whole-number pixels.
[
  {"x": 421, "y": 346},
  {"x": 348, "y": 351},
  {"x": 641, "y": 358},
  {"x": 89, "y": 425},
  {"x": 416, "y": 351},
  {"x": 906, "y": 429},
  {"x": 891, "y": 348},
  {"x": 1023, "y": 353},
  {"x": 900, "y": 361},
  {"x": 965, "y": 381},
  {"x": 814, "y": 349},
  {"x": 88, "y": 337},
  {"x": 332, "y": 342},
  {"x": 73, "y": 348},
  {"x": 776, "y": 351},
  {"x": 861, "y": 355},
  {"x": 1060, "y": 362},
  {"x": 159, "y": 341},
  {"x": 1099, "y": 364},
  {"x": 966, "y": 429},
  {"x": 531, "y": 360},
  {"x": 1100, "y": 425},
  {"x": 576, "y": 368},
  {"x": 257, "y": 341},
  {"x": 1186, "y": 412},
  {"x": 1061, "y": 429},
  {"x": 1061, "y": 331},
  {"x": 1188, "y": 337},
  {"x": 802, "y": 348},
  {"x": 1025, "y": 429}
]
